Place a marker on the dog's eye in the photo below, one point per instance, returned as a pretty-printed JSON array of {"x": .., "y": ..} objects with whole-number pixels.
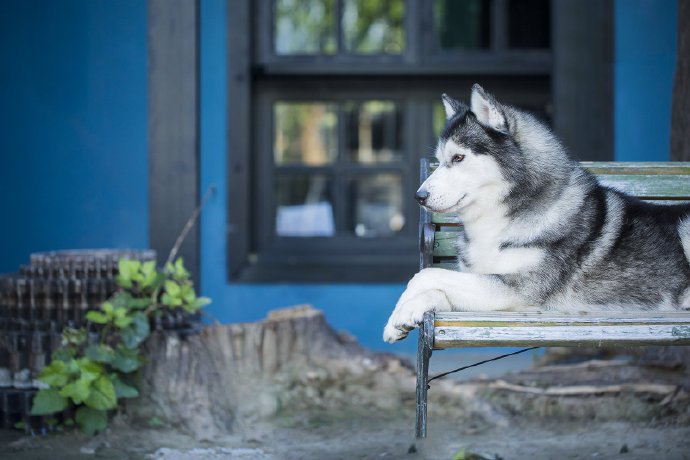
[{"x": 457, "y": 158}]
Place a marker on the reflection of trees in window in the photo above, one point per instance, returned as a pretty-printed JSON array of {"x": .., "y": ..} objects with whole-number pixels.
[
  {"x": 305, "y": 133},
  {"x": 373, "y": 129},
  {"x": 317, "y": 141},
  {"x": 305, "y": 26},
  {"x": 374, "y": 26}
]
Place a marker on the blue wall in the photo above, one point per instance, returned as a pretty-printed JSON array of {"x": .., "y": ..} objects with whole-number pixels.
[
  {"x": 645, "y": 55},
  {"x": 73, "y": 126}
]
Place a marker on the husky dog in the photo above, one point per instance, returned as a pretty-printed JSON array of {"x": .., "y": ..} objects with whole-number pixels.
[{"x": 538, "y": 229}]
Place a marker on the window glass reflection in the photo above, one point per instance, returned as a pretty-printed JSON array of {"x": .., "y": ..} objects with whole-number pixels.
[
  {"x": 304, "y": 207},
  {"x": 373, "y": 131},
  {"x": 305, "y": 133},
  {"x": 462, "y": 24},
  {"x": 305, "y": 27},
  {"x": 373, "y": 27},
  {"x": 376, "y": 206}
]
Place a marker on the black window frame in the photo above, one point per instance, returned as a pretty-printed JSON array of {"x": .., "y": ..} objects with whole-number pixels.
[{"x": 422, "y": 71}]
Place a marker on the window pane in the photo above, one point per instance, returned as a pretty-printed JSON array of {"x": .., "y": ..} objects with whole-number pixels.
[
  {"x": 462, "y": 24},
  {"x": 372, "y": 27},
  {"x": 376, "y": 205},
  {"x": 529, "y": 24},
  {"x": 373, "y": 131},
  {"x": 305, "y": 27},
  {"x": 304, "y": 206},
  {"x": 305, "y": 133}
]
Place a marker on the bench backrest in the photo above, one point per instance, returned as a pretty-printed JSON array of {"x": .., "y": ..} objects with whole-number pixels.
[{"x": 659, "y": 182}]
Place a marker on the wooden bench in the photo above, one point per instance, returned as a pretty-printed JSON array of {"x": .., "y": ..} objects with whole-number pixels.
[{"x": 662, "y": 182}]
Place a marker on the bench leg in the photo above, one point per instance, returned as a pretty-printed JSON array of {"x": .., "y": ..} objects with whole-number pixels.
[{"x": 424, "y": 349}]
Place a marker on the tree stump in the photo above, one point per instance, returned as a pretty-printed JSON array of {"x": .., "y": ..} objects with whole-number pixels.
[{"x": 229, "y": 376}]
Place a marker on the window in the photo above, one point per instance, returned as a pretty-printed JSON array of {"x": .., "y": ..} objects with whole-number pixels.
[{"x": 342, "y": 98}]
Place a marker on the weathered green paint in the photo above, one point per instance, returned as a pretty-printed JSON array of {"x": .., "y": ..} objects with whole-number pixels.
[{"x": 651, "y": 167}]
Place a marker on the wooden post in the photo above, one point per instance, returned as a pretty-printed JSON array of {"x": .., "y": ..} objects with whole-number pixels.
[{"x": 424, "y": 349}]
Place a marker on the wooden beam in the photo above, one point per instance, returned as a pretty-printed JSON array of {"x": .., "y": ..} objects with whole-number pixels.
[
  {"x": 582, "y": 37},
  {"x": 173, "y": 126}
]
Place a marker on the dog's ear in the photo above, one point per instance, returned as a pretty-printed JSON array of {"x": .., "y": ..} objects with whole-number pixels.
[
  {"x": 452, "y": 106},
  {"x": 488, "y": 111}
]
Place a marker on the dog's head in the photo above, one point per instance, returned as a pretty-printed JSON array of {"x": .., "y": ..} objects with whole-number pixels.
[{"x": 476, "y": 151}]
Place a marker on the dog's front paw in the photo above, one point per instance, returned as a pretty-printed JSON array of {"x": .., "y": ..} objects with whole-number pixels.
[
  {"x": 407, "y": 316},
  {"x": 391, "y": 334}
]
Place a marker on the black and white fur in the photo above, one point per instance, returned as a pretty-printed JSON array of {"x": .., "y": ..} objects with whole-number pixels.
[{"x": 539, "y": 231}]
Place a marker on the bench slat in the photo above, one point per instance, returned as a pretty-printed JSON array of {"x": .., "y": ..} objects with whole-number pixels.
[
  {"x": 649, "y": 187},
  {"x": 471, "y": 329},
  {"x": 637, "y": 167}
]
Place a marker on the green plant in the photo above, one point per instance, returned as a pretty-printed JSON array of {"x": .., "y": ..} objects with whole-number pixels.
[{"x": 92, "y": 372}]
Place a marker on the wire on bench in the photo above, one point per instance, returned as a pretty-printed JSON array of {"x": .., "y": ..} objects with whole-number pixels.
[{"x": 477, "y": 364}]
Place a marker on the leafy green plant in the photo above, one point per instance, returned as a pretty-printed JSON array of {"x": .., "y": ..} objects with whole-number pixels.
[{"x": 92, "y": 371}]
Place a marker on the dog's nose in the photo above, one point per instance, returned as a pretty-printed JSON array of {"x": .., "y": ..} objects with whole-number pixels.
[{"x": 422, "y": 196}]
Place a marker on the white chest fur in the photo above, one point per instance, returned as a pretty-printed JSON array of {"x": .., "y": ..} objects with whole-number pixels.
[{"x": 482, "y": 248}]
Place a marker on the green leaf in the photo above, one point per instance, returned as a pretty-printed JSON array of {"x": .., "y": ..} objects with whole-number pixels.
[
  {"x": 91, "y": 420},
  {"x": 136, "y": 332},
  {"x": 89, "y": 370},
  {"x": 128, "y": 271},
  {"x": 56, "y": 374},
  {"x": 64, "y": 354},
  {"x": 108, "y": 308},
  {"x": 188, "y": 294},
  {"x": 169, "y": 268},
  {"x": 122, "y": 390},
  {"x": 73, "y": 367},
  {"x": 100, "y": 353},
  {"x": 126, "y": 360},
  {"x": 180, "y": 272},
  {"x": 172, "y": 288},
  {"x": 148, "y": 270},
  {"x": 72, "y": 336},
  {"x": 96, "y": 317},
  {"x": 138, "y": 304},
  {"x": 123, "y": 322},
  {"x": 167, "y": 300},
  {"x": 123, "y": 282},
  {"x": 78, "y": 390},
  {"x": 128, "y": 267},
  {"x": 119, "y": 299},
  {"x": 102, "y": 396},
  {"x": 48, "y": 402}
]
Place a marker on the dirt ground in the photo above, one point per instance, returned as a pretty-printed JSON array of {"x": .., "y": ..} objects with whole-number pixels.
[{"x": 368, "y": 436}]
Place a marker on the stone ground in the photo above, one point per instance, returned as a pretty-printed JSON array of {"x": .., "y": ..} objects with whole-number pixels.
[{"x": 367, "y": 436}]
